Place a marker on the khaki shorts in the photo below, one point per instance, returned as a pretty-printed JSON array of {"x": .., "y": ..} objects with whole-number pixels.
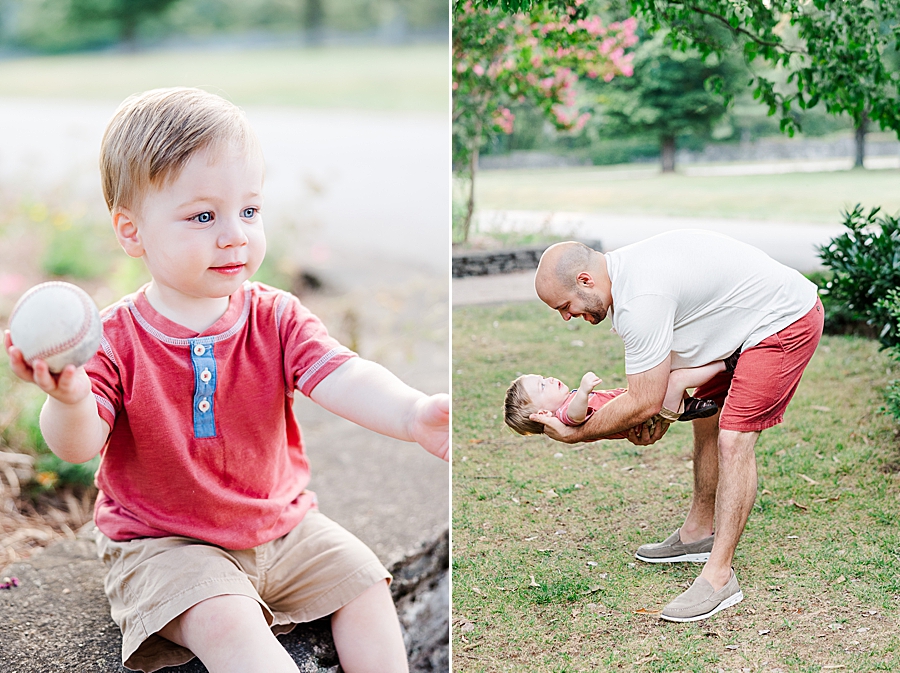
[{"x": 309, "y": 573}]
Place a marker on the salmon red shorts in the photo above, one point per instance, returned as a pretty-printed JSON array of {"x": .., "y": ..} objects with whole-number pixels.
[{"x": 755, "y": 395}]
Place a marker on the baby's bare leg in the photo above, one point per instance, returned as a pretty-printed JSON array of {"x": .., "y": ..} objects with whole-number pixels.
[
  {"x": 682, "y": 379},
  {"x": 367, "y": 633},
  {"x": 230, "y": 633}
]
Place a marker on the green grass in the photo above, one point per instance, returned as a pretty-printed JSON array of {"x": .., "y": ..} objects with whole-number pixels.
[
  {"x": 793, "y": 197},
  {"x": 544, "y": 534},
  {"x": 407, "y": 78}
]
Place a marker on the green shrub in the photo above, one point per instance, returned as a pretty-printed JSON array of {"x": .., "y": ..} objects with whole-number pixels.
[
  {"x": 891, "y": 305},
  {"x": 865, "y": 263}
]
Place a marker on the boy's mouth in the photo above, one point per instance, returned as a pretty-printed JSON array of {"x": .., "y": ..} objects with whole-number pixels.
[{"x": 228, "y": 269}]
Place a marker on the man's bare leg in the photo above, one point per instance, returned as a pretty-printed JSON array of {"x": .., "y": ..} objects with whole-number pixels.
[
  {"x": 734, "y": 500},
  {"x": 701, "y": 516}
]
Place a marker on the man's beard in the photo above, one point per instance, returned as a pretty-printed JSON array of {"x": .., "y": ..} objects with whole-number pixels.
[{"x": 592, "y": 307}]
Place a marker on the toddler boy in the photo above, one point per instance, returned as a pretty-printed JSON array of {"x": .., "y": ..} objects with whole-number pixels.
[
  {"x": 533, "y": 394},
  {"x": 210, "y": 537}
]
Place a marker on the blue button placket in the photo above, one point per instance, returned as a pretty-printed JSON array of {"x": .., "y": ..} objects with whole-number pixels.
[{"x": 204, "y": 388}]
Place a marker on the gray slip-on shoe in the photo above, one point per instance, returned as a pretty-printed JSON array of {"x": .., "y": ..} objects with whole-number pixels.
[
  {"x": 700, "y": 601},
  {"x": 673, "y": 550}
]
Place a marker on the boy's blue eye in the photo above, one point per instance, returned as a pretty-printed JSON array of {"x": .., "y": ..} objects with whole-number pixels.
[
  {"x": 203, "y": 218},
  {"x": 248, "y": 213}
]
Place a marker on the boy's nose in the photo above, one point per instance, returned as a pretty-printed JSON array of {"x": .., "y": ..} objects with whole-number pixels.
[{"x": 232, "y": 233}]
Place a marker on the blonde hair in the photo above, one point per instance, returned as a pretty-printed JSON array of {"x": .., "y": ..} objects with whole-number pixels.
[
  {"x": 518, "y": 407},
  {"x": 152, "y": 136}
]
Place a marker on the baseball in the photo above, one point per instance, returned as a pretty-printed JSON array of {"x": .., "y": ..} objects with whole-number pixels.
[{"x": 57, "y": 323}]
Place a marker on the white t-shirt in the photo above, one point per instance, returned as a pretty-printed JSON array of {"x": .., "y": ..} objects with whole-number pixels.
[{"x": 699, "y": 295}]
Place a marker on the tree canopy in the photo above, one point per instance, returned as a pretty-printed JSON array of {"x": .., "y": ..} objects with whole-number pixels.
[
  {"x": 535, "y": 57},
  {"x": 835, "y": 52}
]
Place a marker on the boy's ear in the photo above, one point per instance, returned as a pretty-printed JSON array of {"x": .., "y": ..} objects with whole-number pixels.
[{"x": 125, "y": 225}]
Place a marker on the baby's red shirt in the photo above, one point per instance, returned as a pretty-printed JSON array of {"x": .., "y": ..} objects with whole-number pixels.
[
  {"x": 204, "y": 443},
  {"x": 596, "y": 399}
]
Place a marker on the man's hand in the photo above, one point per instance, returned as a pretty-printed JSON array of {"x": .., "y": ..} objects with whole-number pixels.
[
  {"x": 555, "y": 428},
  {"x": 70, "y": 386},
  {"x": 431, "y": 425},
  {"x": 640, "y": 435}
]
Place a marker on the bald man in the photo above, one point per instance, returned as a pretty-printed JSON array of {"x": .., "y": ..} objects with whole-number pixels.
[{"x": 684, "y": 299}]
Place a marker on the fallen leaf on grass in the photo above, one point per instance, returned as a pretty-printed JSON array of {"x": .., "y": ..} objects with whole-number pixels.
[
  {"x": 731, "y": 647},
  {"x": 763, "y": 632},
  {"x": 476, "y": 590},
  {"x": 465, "y": 626},
  {"x": 832, "y": 667},
  {"x": 833, "y": 498},
  {"x": 645, "y": 611},
  {"x": 808, "y": 480},
  {"x": 765, "y": 491},
  {"x": 476, "y": 441},
  {"x": 533, "y": 583},
  {"x": 819, "y": 408},
  {"x": 797, "y": 505},
  {"x": 594, "y": 588},
  {"x": 839, "y": 580},
  {"x": 550, "y": 493}
]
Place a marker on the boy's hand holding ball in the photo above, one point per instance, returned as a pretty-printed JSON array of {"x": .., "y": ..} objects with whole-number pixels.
[{"x": 53, "y": 331}]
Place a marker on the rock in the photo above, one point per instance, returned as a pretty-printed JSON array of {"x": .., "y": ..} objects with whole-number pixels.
[{"x": 57, "y": 619}]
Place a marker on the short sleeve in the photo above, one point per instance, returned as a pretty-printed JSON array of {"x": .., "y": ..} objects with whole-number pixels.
[
  {"x": 646, "y": 324},
  {"x": 106, "y": 383},
  {"x": 310, "y": 353},
  {"x": 563, "y": 413}
]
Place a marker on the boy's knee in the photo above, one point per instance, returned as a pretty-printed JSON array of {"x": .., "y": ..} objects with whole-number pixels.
[{"x": 230, "y": 613}]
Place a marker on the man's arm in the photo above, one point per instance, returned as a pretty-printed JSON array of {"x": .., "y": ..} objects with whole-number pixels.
[
  {"x": 369, "y": 395},
  {"x": 642, "y": 401}
]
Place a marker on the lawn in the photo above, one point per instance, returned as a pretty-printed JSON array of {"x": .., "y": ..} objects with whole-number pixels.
[
  {"x": 544, "y": 577},
  {"x": 403, "y": 78},
  {"x": 815, "y": 198}
]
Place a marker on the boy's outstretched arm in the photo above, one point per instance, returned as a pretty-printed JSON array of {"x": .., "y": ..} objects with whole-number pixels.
[
  {"x": 70, "y": 423},
  {"x": 369, "y": 395}
]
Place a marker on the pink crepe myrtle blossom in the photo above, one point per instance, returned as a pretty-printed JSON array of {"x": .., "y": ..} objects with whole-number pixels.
[{"x": 504, "y": 120}]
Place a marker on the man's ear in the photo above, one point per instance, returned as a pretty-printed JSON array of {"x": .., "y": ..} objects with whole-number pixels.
[
  {"x": 585, "y": 279},
  {"x": 125, "y": 225}
]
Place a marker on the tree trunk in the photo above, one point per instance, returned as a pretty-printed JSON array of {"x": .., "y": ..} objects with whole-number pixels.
[
  {"x": 667, "y": 151},
  {"x": 860, "y": 136},
  {"x": 314, "y": 20},
  {"x": 473, "y": 168}
]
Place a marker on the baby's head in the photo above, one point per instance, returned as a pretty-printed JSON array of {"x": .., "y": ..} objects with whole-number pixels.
[
  {"x": 182, "y": 175},
  {"x": 153, "y": 135},
  {"x": 529, "y": 394}
]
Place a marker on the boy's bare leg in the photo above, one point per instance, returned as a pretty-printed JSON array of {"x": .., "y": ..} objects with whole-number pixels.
[
  {"x": 734, "y": 500},
  {"x": 701, "y": 516},
  {"x": 367, "y": 633},
  {"x": 681, "y": 379},
  {"x": 230, "y": 634}
]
